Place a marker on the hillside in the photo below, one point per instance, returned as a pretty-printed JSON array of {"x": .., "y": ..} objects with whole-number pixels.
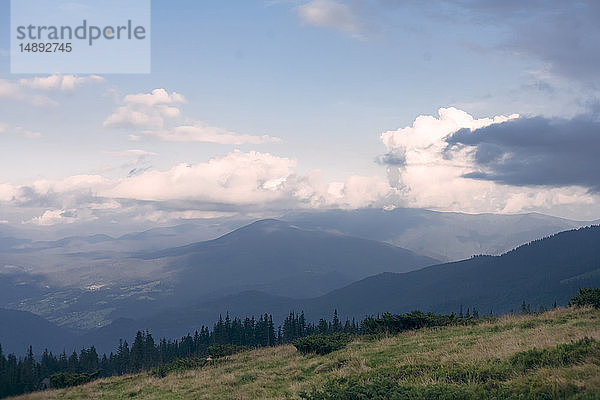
[
  {"x": 539, "y": 273},
  {"x": 20, "y": 329},
  {"x": 465, "y": 362}
]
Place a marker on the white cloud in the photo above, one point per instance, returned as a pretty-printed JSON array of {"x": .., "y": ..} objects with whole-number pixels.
[
  {"x": 13, "y": 91},
  {"x": 18, "y": 130},
  {"x": 130, "y": 116},
  {"x": 8, "y": 192},
  {"x": 59, "y": 82},
  {"x": 162, "y": 217},
  {"x": 157, "y": 97},
  {"x": 251, "y": 179},
  {"x": 78, "y": 183},
  {"x": 430, "y": 176},
  {"x": 238, "y": 178},
  {"x": 54, "y": 217},
  {"x": 329, "y": 13},
  {"x": 209, "y": 134},
  {"x": 157, "y": 115},
  {"x": 242, "y": 181}
]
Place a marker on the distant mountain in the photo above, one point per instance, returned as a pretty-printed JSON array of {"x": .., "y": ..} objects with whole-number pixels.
[
  {"x": 445, "y": 236},
  {"x": 19, "y": 330},
  {"x": 281, "y": 259},
  {"x": 539, "y": 273}
]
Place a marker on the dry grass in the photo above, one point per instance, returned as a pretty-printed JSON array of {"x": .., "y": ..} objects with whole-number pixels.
[{"x": 282, "y": 373}]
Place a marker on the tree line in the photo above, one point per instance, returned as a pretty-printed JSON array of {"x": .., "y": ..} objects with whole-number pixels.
[{"x": 20, "y": 375}]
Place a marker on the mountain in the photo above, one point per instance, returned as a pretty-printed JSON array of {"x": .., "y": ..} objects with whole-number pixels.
[
  {"x": 281, "y": 259},
  {"x": 445, "y": 236},
  {"x": 539, "y": 273},
  {"x": 20, "y": 329}
]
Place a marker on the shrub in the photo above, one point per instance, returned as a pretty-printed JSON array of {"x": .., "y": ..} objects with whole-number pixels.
[
  {"x": 396, "y": 323},
  {"x": 322, "y": 344},
  {"x": 65, "y": 379},
  {"x": 179, "y": 365},
  {"x": 587, "y": 297},
  {"x": 223, "y": 350},
  {"x": 186, "y": 364}
]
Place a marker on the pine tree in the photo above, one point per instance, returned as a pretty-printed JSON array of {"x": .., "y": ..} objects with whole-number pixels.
[{"x": 336, "y": 326}]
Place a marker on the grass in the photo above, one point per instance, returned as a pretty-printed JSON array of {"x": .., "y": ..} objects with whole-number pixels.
[{"x": 528, "y": 357}]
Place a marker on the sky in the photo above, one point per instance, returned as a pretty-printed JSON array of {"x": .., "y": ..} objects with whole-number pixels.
[{"x": 261, "y": 107}]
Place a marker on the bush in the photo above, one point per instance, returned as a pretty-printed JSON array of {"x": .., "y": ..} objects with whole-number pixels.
[
  {"x": 396, "y": 323},
  {"x": 186, "y": 364},
  {"x": 587, "y": 297},
  {"x": 322, "y": 344},
  {"x": 179, "y": 365},
  {"x": 65, "y": 379},
  {"x": 223, "y": 350}
]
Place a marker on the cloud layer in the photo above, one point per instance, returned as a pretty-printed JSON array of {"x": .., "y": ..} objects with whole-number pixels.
[
  {"x": 237, "y": 182},
  {"x": 439, "y": 163}
]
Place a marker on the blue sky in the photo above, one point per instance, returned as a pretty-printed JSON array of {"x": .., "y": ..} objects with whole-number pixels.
[{"x": 289, "y": 99}]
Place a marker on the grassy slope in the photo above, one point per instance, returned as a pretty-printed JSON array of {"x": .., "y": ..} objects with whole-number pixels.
[{"x": 281, "y": 373}]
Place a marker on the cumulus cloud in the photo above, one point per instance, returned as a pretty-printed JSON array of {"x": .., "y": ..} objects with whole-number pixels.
[
  {"x": 432, "y": 165},
  {"x": 54, "y": 217},
  {"x": 535, "y": 151},
  {"x": 59, "y": 82},
  {"x": 237, "y": 178},
  {"x": 7, "y": 192},
  {"x": 330, "y": 13},
  {"x": 157, "y": 115},
  {"x": 236, "y": 182},
  {"x": 146, "y": 110},
  {"x": 13, "y": 91}
]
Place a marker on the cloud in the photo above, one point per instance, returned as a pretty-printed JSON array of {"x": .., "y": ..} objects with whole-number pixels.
[
  {"x": 20, "y": 131},
  {"x": 55, "y": 217},
  {"x": 209, "y": 134},
  {"x": 162, "y": 217},
  {"x": 157, "y": 114},
  {"x": 7, "y": 192},
  {"x": 13, "y": 91},
  {"x": 59, "y": 82},
  {"x": 237, "y": 178},
  {"x": 431, "y": 163},
  {"x": 565, "y": 35},
  {"x": 238, "y": 182},
  {"x": 535, "y": 151},
  {"x": 146, "y": 110},
  {"x": 330, "y": 13},
  {"x": 132, "y": 153},
  {"x": 158, "y": 97}
]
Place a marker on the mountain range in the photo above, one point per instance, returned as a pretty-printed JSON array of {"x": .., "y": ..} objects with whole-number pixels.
[{"x": 309, "y": 262}]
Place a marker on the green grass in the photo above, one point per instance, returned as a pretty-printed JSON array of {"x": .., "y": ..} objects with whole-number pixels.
[{"x": 555, "y": 355}]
